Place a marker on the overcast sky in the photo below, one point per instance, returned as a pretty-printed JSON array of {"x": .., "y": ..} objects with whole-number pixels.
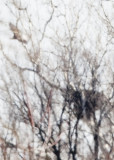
[{"x": 91, "y": 25}]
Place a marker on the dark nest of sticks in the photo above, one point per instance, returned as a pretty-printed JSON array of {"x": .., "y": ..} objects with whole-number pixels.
[{"x": 84, "y": 102}]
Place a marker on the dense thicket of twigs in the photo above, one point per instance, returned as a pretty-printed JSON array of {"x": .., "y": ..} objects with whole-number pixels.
[{"x": 56, "y": 93}]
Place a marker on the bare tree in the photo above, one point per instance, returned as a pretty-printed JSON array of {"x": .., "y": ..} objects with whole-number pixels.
[{"x": 58, "y": 101}]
